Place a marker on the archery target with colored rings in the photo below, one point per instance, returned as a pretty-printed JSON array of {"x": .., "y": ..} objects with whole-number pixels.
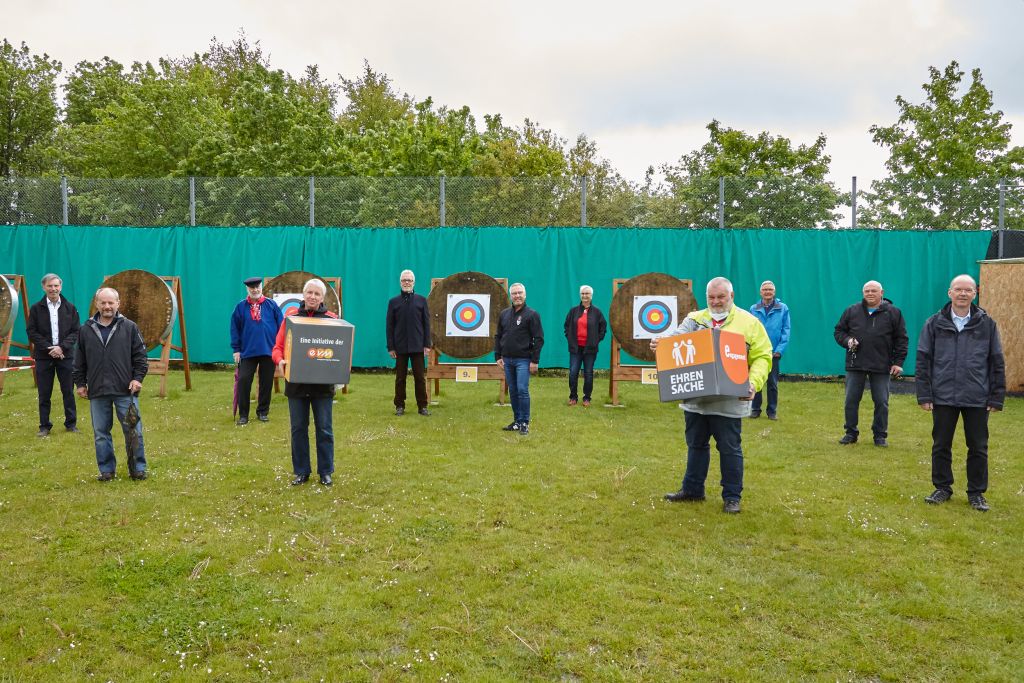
[
  {"x": 653, "y": 316},
  {"x": 468, "y": 315},
  {"x": 289, "y": 302}
]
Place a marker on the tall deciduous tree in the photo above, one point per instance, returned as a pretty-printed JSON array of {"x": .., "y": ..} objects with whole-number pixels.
[
  {"x": 28, "y": 109},
  {"x": 769, "y": 183},
  {"x": 946, "y": 156}
]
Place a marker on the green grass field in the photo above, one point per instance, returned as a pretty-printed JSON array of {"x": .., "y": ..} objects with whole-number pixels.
[{"x": 450, "y": 550}]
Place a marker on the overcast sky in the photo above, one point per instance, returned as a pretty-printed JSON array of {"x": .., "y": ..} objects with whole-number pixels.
[{"x": 642, "y": 78}]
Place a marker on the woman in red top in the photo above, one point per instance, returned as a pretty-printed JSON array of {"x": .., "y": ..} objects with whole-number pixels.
[
  {"x": 585, "y": 327},
  {"x": 303, "y": 398}
]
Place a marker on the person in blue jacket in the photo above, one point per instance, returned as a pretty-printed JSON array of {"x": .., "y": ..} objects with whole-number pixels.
[
  {"x": 774, "y": 315},
  {"x": 254, "y": 325}
]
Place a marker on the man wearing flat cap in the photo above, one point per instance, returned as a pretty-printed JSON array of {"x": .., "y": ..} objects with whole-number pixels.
[{"x": 254, "y": 325}]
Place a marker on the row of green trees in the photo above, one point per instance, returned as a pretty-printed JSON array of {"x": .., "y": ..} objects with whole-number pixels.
[{"x": 226, "y": 113}]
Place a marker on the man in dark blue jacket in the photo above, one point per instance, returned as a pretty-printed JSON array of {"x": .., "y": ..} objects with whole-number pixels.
[
  {"x": 960, "y": 372},
  {"x": 517, "y": 346},
  {"x": 110, "y": 364},
  {"x": 408, "y": 337},
  {"x": 875, "y": 338},
  {"x": 52, "y": 328},
  {"x": 254, "y": 325}
]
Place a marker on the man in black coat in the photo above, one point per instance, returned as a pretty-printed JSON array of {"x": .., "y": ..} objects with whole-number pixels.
[
  {"x": 408, "y": 338},
  {"x": 585, "y": 327},
  {"x": 52, "y": 328},
  {"x": 517, "y": 345},
  {"x": 110, "y": 364},
  {"x": 960, "y": 372},
  {"x": 875, "y": 338}
]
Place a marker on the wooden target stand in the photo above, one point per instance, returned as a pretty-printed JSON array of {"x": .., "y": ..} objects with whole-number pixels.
[
  {"x": 626, "y": 372},
  {"x": 436, "y": 370},
  {"x": 18, "y": 282},
  {"x": 334, "y": 282},
  {"x": 160, "y": 366}
]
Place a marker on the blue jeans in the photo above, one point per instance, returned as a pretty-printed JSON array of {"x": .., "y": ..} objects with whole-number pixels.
[
  {"x": 298, "y": 411},
  {"x": 517, "y": 375},
  {"x": 576, "y": 359},
  {"x": 726, "y": 430},
  {"x": 102, "y": 409},
  {"x": 772, "y": 389},
  {"x": 879, "y": 382}
]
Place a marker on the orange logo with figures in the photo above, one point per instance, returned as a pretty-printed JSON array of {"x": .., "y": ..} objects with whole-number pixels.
[
  {"x": 732, "y": 350},
  {"x": 684, "y": 350}
]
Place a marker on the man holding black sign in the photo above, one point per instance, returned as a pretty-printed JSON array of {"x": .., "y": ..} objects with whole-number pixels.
[{"x": 721, "y": 417}]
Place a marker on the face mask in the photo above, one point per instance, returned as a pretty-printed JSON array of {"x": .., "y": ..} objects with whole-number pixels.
[{"x": 719, "y": 317}]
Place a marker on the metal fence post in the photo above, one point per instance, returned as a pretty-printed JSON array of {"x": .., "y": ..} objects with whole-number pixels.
[
  {"x": 312, "y": 204},
  {"x": 853, "y": 205},
  {"x": 1002, "y": 215},
  {"x": 64, "y": 198},
  {"x": 721, "y": 201},
  {"x": 583, "y": 201},
  {"x": 440, "y": 203},
  {"x": 192, "y": 201}
]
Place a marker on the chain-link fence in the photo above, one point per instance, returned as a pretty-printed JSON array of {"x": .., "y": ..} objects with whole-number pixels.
[{"x": 973, "y": 204}]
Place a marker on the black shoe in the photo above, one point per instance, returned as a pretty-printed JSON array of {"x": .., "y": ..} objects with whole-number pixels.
[
  {"x": 681, "y": 496},
  {"x": 400, "y": 410},
  {"x": 300, "y": 479},
  {"x": 262, "y": 417},
  {"x": 325, "y": 479},
  {"x": 424, "y": 412},
  {"x": 524, "y": 428},
  {"x": 978, "y": 502},
  {"x": 938, "y": 496},
  {"x": 848, "y": 439},
  {"x": 242, "y": 421},
  {"x": 881, "y": 443},
  {"x": 105, "y": 476},
  {"x": 138, "y": 475},
  {"x": 43, "y": 431},
  {"x": 72, "y": 429},
  {"x": 731, "y": 507},
  {"x": 511, "y": 427},
  {"x": 773, "y": 417},
  {"x": 755, "y": 415}
]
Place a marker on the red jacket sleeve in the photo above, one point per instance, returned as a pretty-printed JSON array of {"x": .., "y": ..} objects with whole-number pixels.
[{"x": 278, "y": 353}]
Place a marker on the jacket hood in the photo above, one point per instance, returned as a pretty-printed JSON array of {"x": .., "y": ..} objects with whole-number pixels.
[{"x": 946, "y": 315}]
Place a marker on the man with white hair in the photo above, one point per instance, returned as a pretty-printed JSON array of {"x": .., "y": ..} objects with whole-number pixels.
[
  {"x": 774, "y": 315},
  {"x": 960, "y": 372},
  {"x": 517, "y": 345},
  {"x": 110, "y": 364},
  {"x": 52, "y": 327},
  {"x": 407, "y": 326},
  {"x": 585, "y": 327},
  {"x": 875, "y": 338},
  {"x": 721, "y": 417}
]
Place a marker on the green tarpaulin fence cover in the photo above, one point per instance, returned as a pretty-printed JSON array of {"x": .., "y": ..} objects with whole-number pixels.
[{"x": 818, "y": 273}]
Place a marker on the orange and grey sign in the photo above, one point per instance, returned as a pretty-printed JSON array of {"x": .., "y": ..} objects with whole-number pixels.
[
  {"x": 703, "y": 363},
  {"x": 318, "y": 350}
]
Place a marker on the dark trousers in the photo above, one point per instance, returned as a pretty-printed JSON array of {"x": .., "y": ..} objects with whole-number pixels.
[
  {"x": 944, "y": 419},
  {"x": 879, "y": 382},
  {"x": 772, "y": 389},
  {"x": 322, "y": 409},
  {"x": 246, "y": 369},
  {"x": 419, "y": 378},
  {"x": 46, "y": 368},
  {"x": 586, "y": 360},
  {"x": 727, "y": 434}
]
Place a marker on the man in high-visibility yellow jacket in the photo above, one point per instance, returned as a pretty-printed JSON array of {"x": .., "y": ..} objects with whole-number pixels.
[{"x": 721, "y": 417}]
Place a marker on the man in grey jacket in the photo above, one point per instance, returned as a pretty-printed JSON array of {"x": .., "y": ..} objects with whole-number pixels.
[
  {"x": 110, "y": 364},
  {"x": 960, "y": 372}
]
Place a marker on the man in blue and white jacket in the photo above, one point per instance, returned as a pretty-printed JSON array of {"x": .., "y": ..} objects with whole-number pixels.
[{"x": 774, "y": 315}]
